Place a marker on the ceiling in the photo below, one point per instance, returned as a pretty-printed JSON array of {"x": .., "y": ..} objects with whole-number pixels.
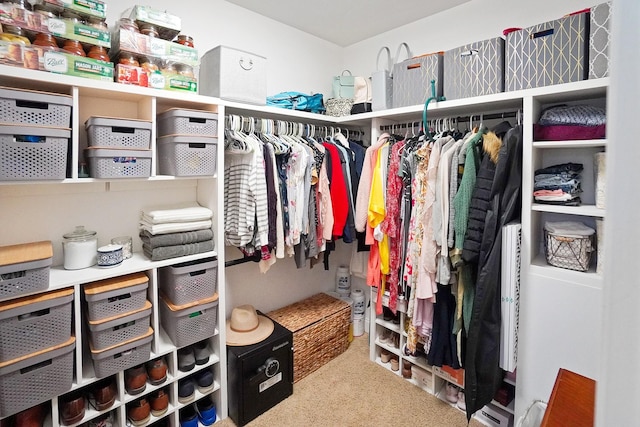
[{"x": 346, "y": 22}]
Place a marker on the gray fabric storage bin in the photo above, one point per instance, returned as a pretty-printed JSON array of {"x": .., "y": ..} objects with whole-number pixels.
[
  {"x": 551, "y": 53},
  {"x": 412, "y": 79},
  {"x": 474, "y": 69},
  {"x": 599, "y": 40},
  {"x": 234, "y": 75}
]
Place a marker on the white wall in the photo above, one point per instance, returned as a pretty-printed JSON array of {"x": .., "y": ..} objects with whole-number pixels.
[
  {"x": 473, "y": 21},
  {"x": 295, "y": 60}
]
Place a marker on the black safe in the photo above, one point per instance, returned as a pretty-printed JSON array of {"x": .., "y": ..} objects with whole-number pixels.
[{"x": 259, "y": 375}]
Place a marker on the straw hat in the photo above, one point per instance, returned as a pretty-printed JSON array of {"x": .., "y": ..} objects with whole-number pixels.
[{"x": 247, "y": 327}]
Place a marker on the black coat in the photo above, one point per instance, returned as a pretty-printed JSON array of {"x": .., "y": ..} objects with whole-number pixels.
[{"x": 483, "y": 375}]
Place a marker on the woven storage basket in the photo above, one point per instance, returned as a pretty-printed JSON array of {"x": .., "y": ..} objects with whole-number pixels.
[
  {"x": 320, "y": 326},
  {"x": 113, "y": 297},
  {"x": 24, "y": 268},
  {"x": 27, "y": 381},
  {"x": 34, "y": 323},
  {"x": 116, "y": 330},
  {"x": 123, "y": 356}
]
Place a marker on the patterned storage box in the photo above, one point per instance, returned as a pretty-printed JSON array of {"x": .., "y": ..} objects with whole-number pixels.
[
  {"x": 180, "y": 155},
  {"x": 474, "y": 69},
  {"x": 28, "y": 107},
  {"x": 189, "y": 323},
  {"x": 599, "y": 40},
  {"x": 412, "y": 79},
  {"x": 34, "y": 323},
  {"x": 320, "y": 326},
  {"x": 33, "y": 152},
  {"x": 124, "y": 356},
  {"x": 546, "y": 54},
  {"x": 115, "y": 163},
  {"x": 117, "y": 330},
  {"x": 118, "y": 133},
  {"x": 180, "y": 121},
  {"x": 24, "y": 268},
  {"x": 189, "y": 282},
  {"x": 569, "y": 244},
  {"x": 28, "y": 381},
  {"x": 116, "y": 296}
]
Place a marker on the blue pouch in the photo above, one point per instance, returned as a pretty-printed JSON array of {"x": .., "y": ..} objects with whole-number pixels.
[{"x": 297, "y": 101}]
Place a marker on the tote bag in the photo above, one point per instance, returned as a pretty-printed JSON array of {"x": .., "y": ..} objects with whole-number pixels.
[{"x": 381, "y": 83}]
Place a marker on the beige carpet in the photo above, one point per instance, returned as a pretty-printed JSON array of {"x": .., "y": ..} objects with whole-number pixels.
[{"x": 353, "y": 391}]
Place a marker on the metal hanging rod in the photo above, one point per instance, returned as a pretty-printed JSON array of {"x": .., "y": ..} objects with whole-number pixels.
[
  {"x": 239, "y": 261},
  {"x": 459, "y": 119}
]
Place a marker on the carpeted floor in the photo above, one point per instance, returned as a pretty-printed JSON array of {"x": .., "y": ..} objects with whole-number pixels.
[{"x": 353, "y": 391}]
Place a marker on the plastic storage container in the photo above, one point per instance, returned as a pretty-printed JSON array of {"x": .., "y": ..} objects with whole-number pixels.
[
  {"x": 189, "y": 281},
  {"x": 29, "y": 107},
  {"x": 124, "y": 356},
  {"x": 190, "y": 323},
  {"x": 187, "y": 155},
  {"x": 24, "y": 268},
  {"x": 34, "y": 323},
  {"x": 114, "y": 163},
  {"x": 29, "y": 381},
  {"x": 115, "y": 331},
  {"x": 117, "y": 296},
  {"x": 31, "y": 152},
  {"x": 118, "y": 133},
  {"x": 180, "y": 121}
]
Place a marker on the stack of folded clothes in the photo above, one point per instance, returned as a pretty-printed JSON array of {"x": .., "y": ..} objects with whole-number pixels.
[
  {"x": 176, "y": 231},
  {"x": 570, "y": 122},
  {"x": 558, "y": 184}
]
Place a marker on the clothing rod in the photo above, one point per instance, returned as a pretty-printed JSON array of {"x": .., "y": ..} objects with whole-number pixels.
[
  {"x": 319, "y": 125},
  {"x": 239, "y": 261},
  {"x": 493, "y": 116}
]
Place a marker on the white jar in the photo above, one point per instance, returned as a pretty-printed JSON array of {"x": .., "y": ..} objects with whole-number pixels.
[
  {"x": 343, "y": 281},
  {"x": 80, "y": 248},
  {"x": 358, "y": 302}
]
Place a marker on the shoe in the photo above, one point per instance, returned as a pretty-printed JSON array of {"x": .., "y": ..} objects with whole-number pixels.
[
  {"x": 406, "y": 369},
  {"x": 395, "y": 363},
  {"x": 204, "y": 380},
  {"x": 159, "y": 402},
  {"x": 385, "y": 337},
  {"x": 188, "y": 417},
  {"x": 451, "y": 393},
  {"x": 139, "y": 412},
  {"x": 385, "y": 355},
  {"x": 201, "y": 352},
  {"x": 135, "y": 380},
  {"x": 72, "y": 407},
  {"x": 104, "y": 420},
  {"x": 157, "y": 371},
  {"x": 103, "y": 394},
  {"x": 186, "y": 390},
  {"x": 395, "y": 340},
  {"x": 186, "y": 359},
  {"x": 32, "y": 417},
  {"x": 206, "y": 409},
  {"x": 461, "y": 403}
]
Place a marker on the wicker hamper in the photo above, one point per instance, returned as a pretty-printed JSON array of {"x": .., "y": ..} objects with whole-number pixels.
[{"x": 320, "y": 326}]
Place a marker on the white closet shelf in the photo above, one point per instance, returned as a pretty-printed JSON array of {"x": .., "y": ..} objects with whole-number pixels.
[
  {"x": 590, "y": 278},
  {"x": 91, "y": 413},
  {"x": 510, "y": 408},
  {"x": 583, "y": 210},
  {"x": 198, "y": 396},
  {"x": 116, "y": 180},
  {"x": 389, "y": 325},
  {"x": 571, "y": 144},
  {"x": 422, "y": 363}
]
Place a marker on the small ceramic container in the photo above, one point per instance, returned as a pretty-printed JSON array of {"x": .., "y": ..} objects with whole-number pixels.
[{"x": 109, "y": 255}]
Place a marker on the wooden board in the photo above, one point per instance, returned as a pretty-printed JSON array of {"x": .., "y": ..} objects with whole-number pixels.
[
  {"x": 115, "y": 283},
  {"x": 35, "y": 299},
  {"x": 572, "y": 401},
  {"x": 174, "y": 308},
  {"x": 25, "y": 252}
]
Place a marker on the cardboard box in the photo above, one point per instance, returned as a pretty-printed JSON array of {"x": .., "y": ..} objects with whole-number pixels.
[
  {"x": 132, "y": 75},
  {"x": 140, "y": 44},
  {"x": 494, "y": 416},
  {"x": 90, "y": 8},
  {"x": 128, "y": 74},
  {"x": 168, "y": 25},
  {"x": 455, "y": 376}
]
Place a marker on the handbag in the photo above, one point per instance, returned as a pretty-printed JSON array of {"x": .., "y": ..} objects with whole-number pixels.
[
  {"x": 344, "y": 85},
  {"x": 382, "y": 83},
  {"x": 339, "y": 107},
  {"x": 297, "y": 101},
  {"x": 412, "y": 78}
]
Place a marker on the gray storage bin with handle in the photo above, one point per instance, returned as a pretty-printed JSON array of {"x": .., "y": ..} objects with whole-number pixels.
[
  {"x": 412, "y": 78},
  {"x": 115, "y": 331},
  {"x": 124, "y": 356},
  {"x": 382, "y": 83},
  {"x": 189, "y": 323}
]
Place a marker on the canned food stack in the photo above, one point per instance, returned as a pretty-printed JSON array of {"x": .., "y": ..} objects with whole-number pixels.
[
  {"x": 150, "y": 51},
  {"x": 72, "y": 36}
]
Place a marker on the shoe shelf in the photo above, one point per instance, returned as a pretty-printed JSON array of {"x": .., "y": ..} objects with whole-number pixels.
[
  {"x": 152, "y": 418},
  {"x": 419, "y": 362},
  {"x": 213, "y": 359},
  {"x": 510, "y": 408},
  {"x": 198, "y": 396},
  {"x": 150, "y": 388},
  {"x": 90, "y": 413},
  {"x": 395, "y": 327}
]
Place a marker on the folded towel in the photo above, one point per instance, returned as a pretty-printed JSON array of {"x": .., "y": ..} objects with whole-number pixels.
[
  {"x": 172, "y": 239},
  {"x": 175, "y": 227},
  {"x": 176, "y": 213},
  {"x": 166, "y": 252}
]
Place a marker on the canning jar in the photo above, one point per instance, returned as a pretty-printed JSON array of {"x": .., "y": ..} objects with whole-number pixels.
[
  {"x": 74, "y": 47},
  {"x": 184, "y": 40},
  {"x": 185, "y": 70},
  {"x": 14, "y": 34},
  {"x": 128, "y": 59},
  {"x": 148, "y": 29},
  {"x": 98, "y": 24},
  {"x": 128, "y": 24},
  {"x": 149, "y": 64},
  {"x": 99, "y": 53},
  {"x": 80, "y": 248},
  {"x": 47, "y": 40}
]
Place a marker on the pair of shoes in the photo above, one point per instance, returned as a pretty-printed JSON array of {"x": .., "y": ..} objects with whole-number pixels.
[
  {"x": 32, "y": 417},
  {"x": 72, "y": 408},
  {"x": 203, "y": 380},
  {"x": 157, "y": 371},
  {"x": 385, "y": 355},
  {"x": 159, "y": 402},
  {"x": 386, "y": 337},
  {"x": 190, "y": 356},
  {"x": 139, "y": 412},
  {"x": 102, "y": 394},
  {"x": 395, "y": 341},
  {"x": 451, "y": 393},
  {"x": 135, "y": 379},
  {"x": 204, "y": 410},
  {"x": 406, "y": 369},
  {"x": 461, "y": 403}
]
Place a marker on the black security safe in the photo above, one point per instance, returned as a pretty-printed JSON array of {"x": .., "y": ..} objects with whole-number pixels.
[{"x": 259, "y": 375}]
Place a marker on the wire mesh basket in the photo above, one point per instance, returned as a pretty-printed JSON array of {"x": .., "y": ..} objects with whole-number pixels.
[{"x": 570, "y": 252}]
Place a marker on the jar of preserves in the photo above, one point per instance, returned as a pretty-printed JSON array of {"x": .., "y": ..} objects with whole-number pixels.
[
  {"x": 74, "y": 47},
  {"x": 185, "y": 40},
  {"x": 24, "y": 4},
  {"x": 149, "y": 64},
  {"x": 128, "y": 59},
  {"x": 185, "y": 70},
  {"x": 128, "y": 24},
  {"x": 45, "y": 12},
  {"x": 47, "y": 40},
  {"x": 148, "y": 30},
  {"x": 99, "y": 53},
  {"x": 98, "y": 24},
  {"x": 169, "y": 68},
  {"x": 72, "y": 16},
  {"x": 14, "y": 34}
]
